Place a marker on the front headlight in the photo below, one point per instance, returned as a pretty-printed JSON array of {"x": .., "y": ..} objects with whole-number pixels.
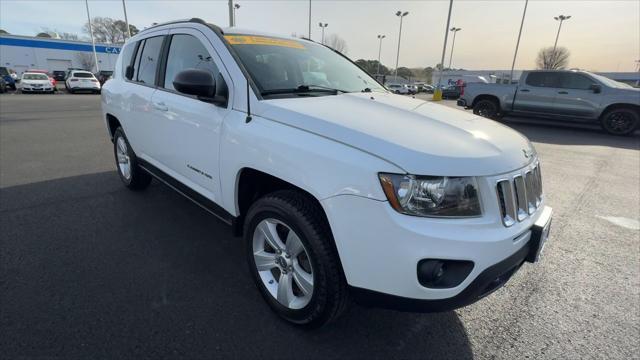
[{"x": 432, "y": 196}]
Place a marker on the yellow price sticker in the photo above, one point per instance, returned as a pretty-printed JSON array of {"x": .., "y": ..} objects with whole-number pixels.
[{"x": 262, "y": 40}]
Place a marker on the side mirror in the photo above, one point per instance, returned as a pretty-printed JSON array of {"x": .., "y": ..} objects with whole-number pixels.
[
  {"x": 199, "y": 83},
  {"x": 595, "y": 88},
  {"x": 128, "y": 73}
]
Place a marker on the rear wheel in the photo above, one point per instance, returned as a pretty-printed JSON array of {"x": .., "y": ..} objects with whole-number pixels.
[
  {"x": 620, "y": 121},
  {"x": 130, "y": 173},
  {"x": 292, "y": 259},
  {"x": 487, "y": 108}
]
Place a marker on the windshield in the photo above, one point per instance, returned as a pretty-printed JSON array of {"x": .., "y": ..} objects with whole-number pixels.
[
  {"x": 277, "y": 65},
  {"x": 611, "y": 83},
  {"x": 35, "y": 77},
  {"x": 82, "y": 75}
]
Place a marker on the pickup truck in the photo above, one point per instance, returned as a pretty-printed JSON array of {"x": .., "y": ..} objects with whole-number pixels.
[
  {"x": 337, "y": 189},
  {"x": 560, "y": 94}
]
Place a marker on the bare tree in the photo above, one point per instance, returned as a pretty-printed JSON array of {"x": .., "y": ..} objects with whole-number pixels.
[
  {"x": 108, "y": 30},
  {"x": 2, "y": 31},
  {"x": 336, "y": 43},
  {"x": 86, "y": 60},
  {"x": 549, "y": 60}
]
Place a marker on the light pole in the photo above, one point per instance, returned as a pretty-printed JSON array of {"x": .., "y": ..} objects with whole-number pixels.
[
  {"x": 437, "y": 93},
  {"x": 126, "y": 21},
  {"x": 235, "y": 7},
  {"x": 560, "y": 18},
  {"x": 93, "y": 41},
  {"x": 453, "y": 43},
  {"x": 401, "y": 15},
  {"x": 380, "y": 37},
  {"x": 231, "y": 13},
  {"x": 515, "y": 54},
  {"x": 309, "y": 19},
  {"x": 323, "y": 26}
]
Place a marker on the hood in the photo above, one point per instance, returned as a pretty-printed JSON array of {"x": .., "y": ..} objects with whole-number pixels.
[
  {"x": 42, "y": 82},
  {"x": 420, "y": 137}
]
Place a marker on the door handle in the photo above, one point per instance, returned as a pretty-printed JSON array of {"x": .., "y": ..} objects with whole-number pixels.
[
  {"x": 562, "y": 92},
  {"x": 160, "y": 106},
  {"x": 524, "y": 90}
]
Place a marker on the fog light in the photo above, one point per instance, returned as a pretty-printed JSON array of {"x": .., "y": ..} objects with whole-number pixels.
[{"x": 442, "y": 274}]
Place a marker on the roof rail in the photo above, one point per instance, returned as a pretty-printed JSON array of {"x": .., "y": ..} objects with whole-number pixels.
[{"x": 192, "y": 20}]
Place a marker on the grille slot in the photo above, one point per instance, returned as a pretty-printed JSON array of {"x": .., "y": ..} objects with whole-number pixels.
[
  {"x": 520, "y": 197},
  {"x": 505, "y": 199}
]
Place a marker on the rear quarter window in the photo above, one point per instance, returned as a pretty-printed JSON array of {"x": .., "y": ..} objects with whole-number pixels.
[{"x": 127, "y": 54}]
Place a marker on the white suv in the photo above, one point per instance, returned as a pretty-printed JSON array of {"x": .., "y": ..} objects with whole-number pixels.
[{"x": 340, "y": 189}]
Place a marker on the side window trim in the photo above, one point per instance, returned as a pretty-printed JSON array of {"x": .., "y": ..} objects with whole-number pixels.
[
  {"x": 162, "y": 66},
  {"x": 137, "y": 60}
]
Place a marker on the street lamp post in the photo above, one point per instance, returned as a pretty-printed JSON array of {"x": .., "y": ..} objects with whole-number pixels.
[
  {"x": 231, "y": 13},
  {"x": 309, "y": 20},
  {"x": 401, "y": 15},
  {"x": 515, "y": 54},
  {"x": 560, "y": 18},
  {"x": 437, "y": 93},
  {"x": 235, "y": 7},
  {"x": 93, "y": 41},
  {"x": 453, "y": 43},
  {"x": 126, "y": 20},
  {"x": 380, "y": 37},
  {"x": 323, "y": 26}
]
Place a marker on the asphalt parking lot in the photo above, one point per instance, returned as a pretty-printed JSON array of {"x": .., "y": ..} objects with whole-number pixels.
[{"x": 91, "y": 270}]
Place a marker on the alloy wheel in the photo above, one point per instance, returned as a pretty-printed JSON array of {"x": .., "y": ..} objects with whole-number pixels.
[
  {"x": 283, "y": 263},
  {"x": 124, "y": 162}
]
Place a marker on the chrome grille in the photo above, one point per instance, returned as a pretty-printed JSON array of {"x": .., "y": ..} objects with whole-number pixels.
[{"x": 519, "y": 196}]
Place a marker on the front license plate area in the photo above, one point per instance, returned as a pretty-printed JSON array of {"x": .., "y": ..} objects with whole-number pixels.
[{"x": 539, "y": 235}]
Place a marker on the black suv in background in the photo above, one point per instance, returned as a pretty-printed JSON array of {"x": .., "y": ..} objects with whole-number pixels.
[{"x": 59, "y": 75}]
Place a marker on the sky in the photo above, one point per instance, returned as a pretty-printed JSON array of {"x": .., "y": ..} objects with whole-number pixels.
[{"x": 601, "y": 35}]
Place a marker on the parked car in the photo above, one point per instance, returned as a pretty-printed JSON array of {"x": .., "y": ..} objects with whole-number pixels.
[
  {"x": 33, "y": 82},
  {"x": 9, "y": 80},
  {"x": 562, "y": 95},
  {"x": 451, "y": 92},
  {"x": 412, "y": 89},
  {"x": 103, "y": 76},
  {"x": 340, "y": 189},
  {"x": 80, "y": 80},
  {"x": 51, "y": 78},
  {"x": 60, "y": 75},
  {"x": 398, "y": 88},
  {"x": 3, "y": 86},
  {"x": 428, "y": 88}
]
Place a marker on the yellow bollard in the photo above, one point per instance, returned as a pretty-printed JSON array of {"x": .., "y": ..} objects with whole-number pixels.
[{"x": 437, "y": 94}]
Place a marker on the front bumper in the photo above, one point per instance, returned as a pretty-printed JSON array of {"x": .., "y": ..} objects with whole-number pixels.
[
  {"x": 37, "y": 89},
  {"x": 380, "y": 249}
]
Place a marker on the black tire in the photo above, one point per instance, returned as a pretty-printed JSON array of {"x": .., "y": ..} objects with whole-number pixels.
[
  {"x": 620, "y": 121},
  {"x": 304, "y": 216},
  {"x": 487, "y": 108},
  {"x": 138, "y": 179},
  {"x": 71, "y": 91}
]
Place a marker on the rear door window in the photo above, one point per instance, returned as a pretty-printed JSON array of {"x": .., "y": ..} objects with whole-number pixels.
[
  {"x": 543, "y": 79},
  {"x": 149, "y": 60}
]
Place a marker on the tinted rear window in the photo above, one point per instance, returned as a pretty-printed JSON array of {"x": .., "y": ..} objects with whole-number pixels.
[
  {"x": 82, "y": 75},
  {"x": 149, "y": 60},
  {"x": 543, "y": 79}
]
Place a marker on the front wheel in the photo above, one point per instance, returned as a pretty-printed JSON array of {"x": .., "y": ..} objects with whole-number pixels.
[
  {"x": 487, "y": 108},
  {"x": 130, "y": 173},
  {"x": 293, "y": 260},
  {"x": 620, "y": 121}
]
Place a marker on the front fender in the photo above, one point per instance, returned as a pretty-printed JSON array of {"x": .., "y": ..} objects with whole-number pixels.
[{"x": 321, "y": 166}]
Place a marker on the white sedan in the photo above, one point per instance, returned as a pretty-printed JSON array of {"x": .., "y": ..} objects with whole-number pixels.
[
  {"x": 35, "y": 83},
  {"x": 398, "y": 88},
  {"x": 79, "y": 80}
]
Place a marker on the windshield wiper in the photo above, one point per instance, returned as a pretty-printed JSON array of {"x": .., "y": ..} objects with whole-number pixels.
[{"x": 301, "y": 89}]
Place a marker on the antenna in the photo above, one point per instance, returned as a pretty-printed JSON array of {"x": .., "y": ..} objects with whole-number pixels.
[{"x": 249, "y": 118}]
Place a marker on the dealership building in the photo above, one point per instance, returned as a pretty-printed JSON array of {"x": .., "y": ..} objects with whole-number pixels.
[{"x": 24, "y": 52}]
